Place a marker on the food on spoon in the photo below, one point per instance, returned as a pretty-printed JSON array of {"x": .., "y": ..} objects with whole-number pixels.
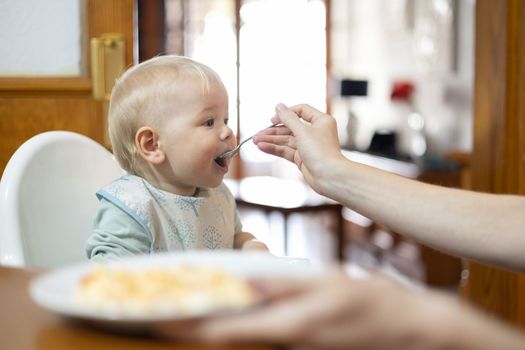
[{"x": 185, "y": 290}]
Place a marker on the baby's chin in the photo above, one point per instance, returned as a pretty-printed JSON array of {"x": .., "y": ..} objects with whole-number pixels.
[{"x": 214, "y": 183}]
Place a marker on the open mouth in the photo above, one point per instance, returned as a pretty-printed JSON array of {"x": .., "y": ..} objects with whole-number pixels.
[{"x": 220, "y": 161}]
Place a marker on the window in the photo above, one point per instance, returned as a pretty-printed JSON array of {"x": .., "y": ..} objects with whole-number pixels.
[{"x": 281, "y": 55}]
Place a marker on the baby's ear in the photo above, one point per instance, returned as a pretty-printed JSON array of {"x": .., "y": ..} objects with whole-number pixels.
[{"x": 146, "y": 141}]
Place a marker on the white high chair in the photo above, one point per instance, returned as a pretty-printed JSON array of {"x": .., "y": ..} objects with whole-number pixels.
[{"x": 47, "y": 198}]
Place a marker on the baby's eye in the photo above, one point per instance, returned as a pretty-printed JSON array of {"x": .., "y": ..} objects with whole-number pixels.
[
  {"x": 226, "y": 121},
  {"x": 210, "y": 122}
]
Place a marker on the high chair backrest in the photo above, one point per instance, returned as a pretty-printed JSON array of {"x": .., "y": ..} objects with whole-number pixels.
[{"x": 47, "y": 198}]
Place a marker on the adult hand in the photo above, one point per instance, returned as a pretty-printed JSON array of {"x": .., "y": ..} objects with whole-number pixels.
[
  {"x": 337, "y": 312},
  {"x": 308, "y": 139}
]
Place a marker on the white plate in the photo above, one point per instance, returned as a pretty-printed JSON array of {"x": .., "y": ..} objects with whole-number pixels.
[{"x": 55, "y": 290}]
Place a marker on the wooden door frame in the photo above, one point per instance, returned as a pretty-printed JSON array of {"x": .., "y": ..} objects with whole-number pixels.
[
  {"x": 151, "y": 24},
  {"x": 498, "y": 159}
]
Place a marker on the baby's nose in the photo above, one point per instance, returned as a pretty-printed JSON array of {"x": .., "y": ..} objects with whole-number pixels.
[{"x": 226, "y": 133}]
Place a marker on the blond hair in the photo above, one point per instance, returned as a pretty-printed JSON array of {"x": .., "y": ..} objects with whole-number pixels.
[{"x": 137, "y": 93}]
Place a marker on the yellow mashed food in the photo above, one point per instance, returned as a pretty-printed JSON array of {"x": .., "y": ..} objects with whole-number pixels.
[{"x": 185, "y": 290}]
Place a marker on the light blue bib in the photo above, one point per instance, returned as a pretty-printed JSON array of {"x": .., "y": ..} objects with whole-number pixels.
[{"x": 208, "y": 220}]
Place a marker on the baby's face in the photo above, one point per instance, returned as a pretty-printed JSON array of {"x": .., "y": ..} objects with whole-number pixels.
[{"x": 193, "y": 136}]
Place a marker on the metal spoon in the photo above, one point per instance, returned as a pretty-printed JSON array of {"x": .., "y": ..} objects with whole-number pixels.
[{"x": 236, "y": 150}]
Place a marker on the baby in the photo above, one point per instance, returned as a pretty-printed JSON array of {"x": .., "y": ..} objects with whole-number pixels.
[{"x": 168, "y": 124}]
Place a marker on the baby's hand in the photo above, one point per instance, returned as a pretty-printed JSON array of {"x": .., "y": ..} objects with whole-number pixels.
[{"x": 255, "y": 245}]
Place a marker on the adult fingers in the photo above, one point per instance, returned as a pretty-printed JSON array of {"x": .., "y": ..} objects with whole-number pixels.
[
  {"x": 308, "y": 113},
  {"x": 289, "y": 316},
  {"x": 276, "y": 130},
  {"x": 258, "y": 326},
  {"x": 285, "y": 322},
  {"x": 179, "y": 329},
  {"x": 222, "y": 328},
  {"x": 279, "y": 140},
  {"x": 279, "y": 287},
  {"x": 276, "y": 150},
  {"x": 289, "y": 118}
]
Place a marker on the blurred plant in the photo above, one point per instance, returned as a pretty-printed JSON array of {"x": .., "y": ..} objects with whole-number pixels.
[{"x": 402, "y": 91}]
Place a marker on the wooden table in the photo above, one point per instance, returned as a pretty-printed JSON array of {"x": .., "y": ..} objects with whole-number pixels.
[{"x": 24, "y": 325}]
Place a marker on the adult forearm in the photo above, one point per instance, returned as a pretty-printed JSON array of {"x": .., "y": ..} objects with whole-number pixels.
[{"x": 485, "y": 227}]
